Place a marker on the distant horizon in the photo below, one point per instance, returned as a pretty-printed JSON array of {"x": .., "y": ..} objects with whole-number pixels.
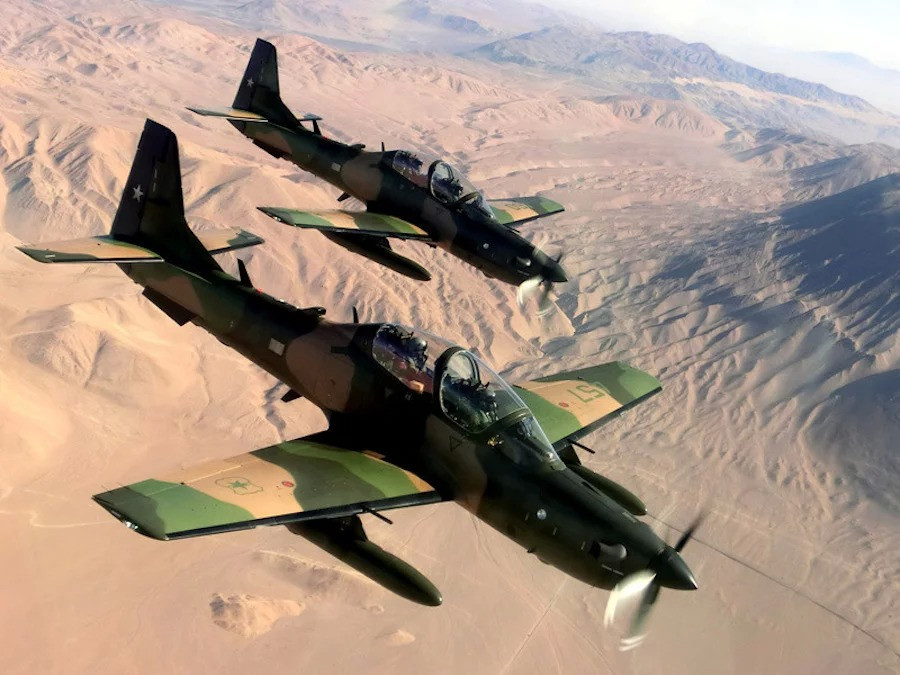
[
  {"x": 764, "y": 24},
  {"x": 759, "y": 36}
]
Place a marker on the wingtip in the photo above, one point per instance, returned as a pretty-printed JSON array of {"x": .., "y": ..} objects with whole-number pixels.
[
  {"x": 273, "y": 213},
  {"x": 36, "y": 254}
]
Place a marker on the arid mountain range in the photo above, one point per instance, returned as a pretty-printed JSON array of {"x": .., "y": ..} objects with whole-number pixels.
[{"x": 732, "y": 232}]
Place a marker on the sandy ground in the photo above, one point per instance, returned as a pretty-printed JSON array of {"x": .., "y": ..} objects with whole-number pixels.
[{"x": 779, "y": 412}]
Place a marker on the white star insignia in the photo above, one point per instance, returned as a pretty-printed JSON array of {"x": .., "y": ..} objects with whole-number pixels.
[
  {"x": 137, "y": 193},
  {"x": 249, "y": 81}
]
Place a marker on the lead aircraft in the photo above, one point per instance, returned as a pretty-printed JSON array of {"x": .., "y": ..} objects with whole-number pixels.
[
  {"x": 413, "y": 419},
  {"x": 407, "y": 195}
]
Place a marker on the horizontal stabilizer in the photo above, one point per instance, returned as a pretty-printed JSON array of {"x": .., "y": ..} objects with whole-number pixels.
[
  {"x": 522, "y": 209},
  {"x": 230, "y": 114},
  {"x": 100, "y": 249},
  {"x": 227, "y": 239},
  {"x": 358, "y": 222},
  {"x": 239, "y": 115}
]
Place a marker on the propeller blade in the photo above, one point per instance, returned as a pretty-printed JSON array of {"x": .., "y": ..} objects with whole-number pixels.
[
  {"x": 688, "y": 533},
  {"x": 541, "y": 286},
  {"x": 537, "y": 288},
  {"x": 544, "y": 303},
  {"x": 637, "y": 631},
  {"x": 641, "y": 587},
  {"x": 526, "y": 290},
  {"x": 666, "y": 568}
]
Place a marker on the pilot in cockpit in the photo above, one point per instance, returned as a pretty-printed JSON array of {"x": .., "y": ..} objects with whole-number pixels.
[
  {"x": 471, "y": 403},
  {"x": 409, "y": 354}
]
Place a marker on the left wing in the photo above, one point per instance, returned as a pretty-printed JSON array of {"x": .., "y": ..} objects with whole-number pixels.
[
  {"x": 359, "y": 222},
  {"x": 570, "y": 405},
  {"x": 101, "y": 249},
  {"x": 284, "y": 483},
  {"x": 522, "y": 209},
  {"x": 106, "y": 248}
]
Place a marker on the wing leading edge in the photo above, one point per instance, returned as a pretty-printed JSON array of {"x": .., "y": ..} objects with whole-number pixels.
[
  {"x": 348, "y": 222},
  {"x": 572, "y": 404},
  {"x": 284, "y": 483}
]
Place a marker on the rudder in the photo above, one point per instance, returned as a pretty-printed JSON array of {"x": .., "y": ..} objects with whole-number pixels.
[
  {"x": 151, "y": 211},
  {"x": 258, "y": 91}
]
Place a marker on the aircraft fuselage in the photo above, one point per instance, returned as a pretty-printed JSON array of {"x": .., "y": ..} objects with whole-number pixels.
[
  {"x": 554, "y": 514},
  {"x": 465, "y": 231}
]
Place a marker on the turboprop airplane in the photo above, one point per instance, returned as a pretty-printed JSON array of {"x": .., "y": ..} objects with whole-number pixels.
[
  {"x": 407, "y": 195},
  {"x": 413, "y": 419}
]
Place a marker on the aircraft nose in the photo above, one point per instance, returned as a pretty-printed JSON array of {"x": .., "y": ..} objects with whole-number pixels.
[
  {"x": 555, "y": 272},
  {"x": 672, "y": 571}
]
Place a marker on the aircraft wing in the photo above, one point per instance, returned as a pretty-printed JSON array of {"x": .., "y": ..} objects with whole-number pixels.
[
  {"x": 522, "y": 209},
  {"x": 103, "y": 248},
  {"x": 574, "y": 403},
  {"x": 361, "y": 222},
  {"x": 107, "y": 249},
  {"x": 284, "y": 483}
]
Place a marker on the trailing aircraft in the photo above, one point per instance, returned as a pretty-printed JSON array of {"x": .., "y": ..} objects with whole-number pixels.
[{"x": 407, "y": 195}]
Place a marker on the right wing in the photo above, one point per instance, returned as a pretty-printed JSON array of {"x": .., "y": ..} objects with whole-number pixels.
[
  {"x": 518, "y": 210},
  {"x": 359, "y": 222},
  {"x": 570, "y": 405},
  {"x": 284, "y": 483}
]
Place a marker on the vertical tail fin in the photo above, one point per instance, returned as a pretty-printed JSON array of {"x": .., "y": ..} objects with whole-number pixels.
[
  {"x": 258, "y": 90},
  {"x": 151, "y": 211}
]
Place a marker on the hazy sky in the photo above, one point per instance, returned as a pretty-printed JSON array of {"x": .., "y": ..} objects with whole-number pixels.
[{"x": 870, "y": 28}]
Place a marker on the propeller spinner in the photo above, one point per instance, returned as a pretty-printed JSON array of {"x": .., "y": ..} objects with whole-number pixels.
[
  {"x": 540, "y": 286},
  {"x": 667, "y": 569}
]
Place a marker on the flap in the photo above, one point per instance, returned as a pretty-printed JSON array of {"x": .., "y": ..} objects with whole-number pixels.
[
  {"x": 288, "y": 482},
  {"x": 364, "y": 222},
  {"x": 574, "y": 403}
]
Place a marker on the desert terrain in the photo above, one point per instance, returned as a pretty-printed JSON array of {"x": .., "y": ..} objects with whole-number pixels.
[{"x": 754, "y": 269}]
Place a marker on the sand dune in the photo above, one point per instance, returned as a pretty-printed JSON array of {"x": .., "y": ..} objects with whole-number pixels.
[{"x": 772, "y": 324}]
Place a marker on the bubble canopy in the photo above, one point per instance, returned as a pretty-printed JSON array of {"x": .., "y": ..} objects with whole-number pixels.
[
  {"x": 445, "y": 183},
  {"x": 467, "y": 392}
]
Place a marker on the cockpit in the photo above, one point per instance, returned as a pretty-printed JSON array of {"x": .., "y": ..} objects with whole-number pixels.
[
  {"x": 408, "y": 355},
  {"x": 445, "y": 183},
  {"x": 477, "y": 399},
  {"x": 467, "y": 392}
]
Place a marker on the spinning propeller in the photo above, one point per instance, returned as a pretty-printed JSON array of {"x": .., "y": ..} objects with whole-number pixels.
[
  {"x": 665, "y": 569},
  {"x": 541, "y": 285}
]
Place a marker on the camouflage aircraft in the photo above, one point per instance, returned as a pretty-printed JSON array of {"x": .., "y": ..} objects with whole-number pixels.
[
  {"x": 413, "y": 419},
  {"x": 407, "y": 195}
]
